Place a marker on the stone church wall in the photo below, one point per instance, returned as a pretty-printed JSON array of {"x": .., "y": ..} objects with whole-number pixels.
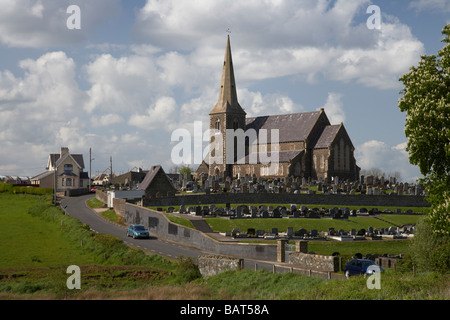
[{"x": 393, "y": 201}]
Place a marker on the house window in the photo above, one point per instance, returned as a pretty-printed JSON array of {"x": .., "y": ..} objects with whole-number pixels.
[
  {"x": 62, "y": 182},
  {"x": 68, "y": 167},
  {"x": 217, "y": 125},
  {"x": 68, "y": 182}
]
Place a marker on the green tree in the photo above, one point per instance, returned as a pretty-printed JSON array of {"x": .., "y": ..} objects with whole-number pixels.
[{"x": 426, "y": 101}]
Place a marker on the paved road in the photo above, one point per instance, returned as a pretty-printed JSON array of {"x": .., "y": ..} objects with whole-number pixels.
[{"x": 77, "y": 208}]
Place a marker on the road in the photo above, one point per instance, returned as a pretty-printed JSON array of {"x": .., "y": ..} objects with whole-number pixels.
[{"x": 76, "y": 207}]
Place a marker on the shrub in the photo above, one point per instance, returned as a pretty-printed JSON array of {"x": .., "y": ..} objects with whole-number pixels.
[
  {"x": 429, "y": 251},
  {"x": 186, "y": 270}
]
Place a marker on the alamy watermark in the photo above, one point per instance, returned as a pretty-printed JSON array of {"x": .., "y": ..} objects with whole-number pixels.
[
  {"x": 74, "y": 20},
  {"x": 374, "y": 21},
  {"x": 241, "y": 147},
  {"x": 374, "y": 280},
  {"x": 74, "y": 281}
]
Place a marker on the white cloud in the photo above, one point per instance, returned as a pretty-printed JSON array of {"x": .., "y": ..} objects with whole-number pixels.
[
  {"x": 431, "y": 5},
  {"x": 158, "y": 116},
  {"x": 43, "y": 23},
  {"x": 334, "y": 108},
  {"x": 378, "y": 154},
  {"x": 277, "y": 40},
  {"x": 107, "y": 120}
]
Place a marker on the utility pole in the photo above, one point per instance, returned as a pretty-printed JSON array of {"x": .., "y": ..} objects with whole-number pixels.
[
  {"x": 110, "y": 169},
  {"x": 90, "y": 168}
]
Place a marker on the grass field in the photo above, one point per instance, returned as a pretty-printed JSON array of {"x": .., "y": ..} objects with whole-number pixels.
[
  {"x": 27, "y": 241},
  {"x": 36, "y": 248},
  {"x": 226, "y": 225}
]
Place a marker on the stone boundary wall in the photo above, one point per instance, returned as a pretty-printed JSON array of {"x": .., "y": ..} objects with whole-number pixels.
[
  {"x": 158, "y": 224},
  {"x": 315, "y": 261},
  {"x": 119, "y": 206},
  {"x": 210, "y": 265},
  {"x": 330, "y": 199},
  {"x": 101, "y": 196}
]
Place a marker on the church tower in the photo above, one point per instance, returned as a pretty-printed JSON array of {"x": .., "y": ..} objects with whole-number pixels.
[{"x": 227, "y": 113}]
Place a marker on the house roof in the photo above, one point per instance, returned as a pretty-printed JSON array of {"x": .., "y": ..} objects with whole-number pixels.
[
  {"x": 56, "y": 159},
  {"x": 42, "y": 175},
  {"x": 292, "y": 127}
]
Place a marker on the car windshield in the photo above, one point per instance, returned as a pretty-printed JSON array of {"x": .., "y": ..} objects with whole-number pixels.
[
  {"x": 139, "y": 228},
  {"x": 368, "y": 263}
]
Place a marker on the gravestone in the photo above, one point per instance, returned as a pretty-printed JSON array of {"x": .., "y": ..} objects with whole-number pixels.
[{"x": 302, "y": 232}]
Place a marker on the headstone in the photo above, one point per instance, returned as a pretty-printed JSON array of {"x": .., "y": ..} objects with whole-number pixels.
[{"x": 290, "y": 231}]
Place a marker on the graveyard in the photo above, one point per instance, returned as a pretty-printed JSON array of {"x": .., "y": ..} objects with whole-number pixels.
[
  {"x": 269, "y": 222},
  {"x": 256, "y": 221}
]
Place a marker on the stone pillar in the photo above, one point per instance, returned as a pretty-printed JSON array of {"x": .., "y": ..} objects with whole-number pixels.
[
  {"x": 281, "y": 250},
  {"x": 301, "y": 246}
]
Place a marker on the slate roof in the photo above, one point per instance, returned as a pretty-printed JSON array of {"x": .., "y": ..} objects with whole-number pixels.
[
  {"x": 56, "y": 157},
  {"x": 327, "y": 137},
  {"x": 150, "y": 176},
  {"x": 292, "y": 127}
]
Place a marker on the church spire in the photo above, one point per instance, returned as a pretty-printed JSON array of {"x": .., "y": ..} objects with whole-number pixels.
[{"x": 228, "y": 101}]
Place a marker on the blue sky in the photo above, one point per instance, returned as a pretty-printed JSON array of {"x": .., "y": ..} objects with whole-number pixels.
[{"x": 138, "y": 70}]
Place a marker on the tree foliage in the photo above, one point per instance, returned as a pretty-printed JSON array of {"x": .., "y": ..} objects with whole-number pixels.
[{"x": 426, "y": 101}]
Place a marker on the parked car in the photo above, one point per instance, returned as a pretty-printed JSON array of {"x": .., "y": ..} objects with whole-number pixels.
[
  {"x": 137, "y": 231},
  {"x": 360, "y": 266}
]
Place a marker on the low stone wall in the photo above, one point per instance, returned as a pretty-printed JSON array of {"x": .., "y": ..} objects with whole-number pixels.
[
  {"x": 210, "y": 265},
  {"x": 158, "y": 224},
  {"x": 315, "y": 261},
  {"x": 119, "y": 206},
  {"x": 101, "y": 196},
  {"x": 330, "y": 199}
]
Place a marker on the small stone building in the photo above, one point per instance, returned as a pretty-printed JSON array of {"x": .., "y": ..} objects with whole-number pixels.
[{"x": 157, "y": 184}]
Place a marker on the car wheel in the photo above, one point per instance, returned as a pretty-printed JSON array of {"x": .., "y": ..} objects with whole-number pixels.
[
  {"x": 347, "y": 274},
  {"x": 134, "y": 236}
]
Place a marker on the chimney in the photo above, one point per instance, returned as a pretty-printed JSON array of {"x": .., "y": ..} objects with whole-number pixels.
[{"x": 64, "y": 150}]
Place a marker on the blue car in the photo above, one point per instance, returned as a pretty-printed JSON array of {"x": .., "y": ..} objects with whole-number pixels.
[
  {"x": 361, "y": 266},
  {"x": 137, "y": 231}
]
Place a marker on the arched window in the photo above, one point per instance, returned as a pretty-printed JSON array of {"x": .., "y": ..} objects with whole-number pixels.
[
  {"x": 217, "y": 126},
  {"x": 235, "y": 124}
]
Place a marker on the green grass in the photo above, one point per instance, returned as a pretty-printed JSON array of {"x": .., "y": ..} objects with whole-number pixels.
[
  {"x": 322, "y": 224},
  {"x": 28, "y": 241},
  {"x": 38, "y": 242},
  {"x": 181, "y": 221},
  {"x": 94, "y": 203},
  {"x": 263, "y": 285}
]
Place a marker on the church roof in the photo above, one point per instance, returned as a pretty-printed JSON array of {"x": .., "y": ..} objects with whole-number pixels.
[
  {"x": 327, "y": 136},
  {"x": 228, "y": 101},
  {"x": 292, "y": 127}
]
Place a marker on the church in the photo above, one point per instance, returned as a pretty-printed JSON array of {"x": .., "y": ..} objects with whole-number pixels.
[{"x": 308, "y": 145}]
